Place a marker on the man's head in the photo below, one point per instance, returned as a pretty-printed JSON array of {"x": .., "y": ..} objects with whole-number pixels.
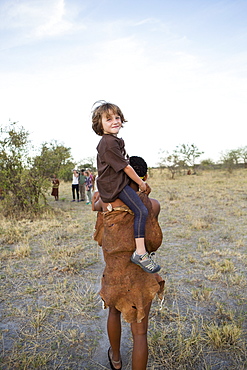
[{"x": 139, "y": 165}]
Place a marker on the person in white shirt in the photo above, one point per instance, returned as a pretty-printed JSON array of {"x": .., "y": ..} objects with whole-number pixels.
[{"x": 75, "y": 185}]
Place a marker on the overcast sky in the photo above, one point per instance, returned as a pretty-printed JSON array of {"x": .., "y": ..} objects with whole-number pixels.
[{"x": 177, "y": 69}]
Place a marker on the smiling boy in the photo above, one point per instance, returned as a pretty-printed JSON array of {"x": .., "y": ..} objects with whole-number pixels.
[{"x": 114, "y": 174}]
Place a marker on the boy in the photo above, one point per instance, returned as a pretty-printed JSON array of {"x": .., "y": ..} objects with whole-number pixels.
[{"x": 114, "y": 174}]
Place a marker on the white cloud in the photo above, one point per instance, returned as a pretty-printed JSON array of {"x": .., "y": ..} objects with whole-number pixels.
[
  {"x": 55, "y": 23},
  {"x": 146, "y": 21},
  {"x": 25, "y": 14},
  {"x": 37, "y": 19}
]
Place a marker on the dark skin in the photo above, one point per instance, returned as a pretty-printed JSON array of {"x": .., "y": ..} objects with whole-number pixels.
[{"x": 139, "y": 330}]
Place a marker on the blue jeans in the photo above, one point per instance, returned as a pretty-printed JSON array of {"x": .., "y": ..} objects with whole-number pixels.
[{"x": 131, "y": 199}]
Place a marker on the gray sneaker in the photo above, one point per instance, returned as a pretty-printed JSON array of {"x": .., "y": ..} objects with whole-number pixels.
[{"x": 145, "y": 262}]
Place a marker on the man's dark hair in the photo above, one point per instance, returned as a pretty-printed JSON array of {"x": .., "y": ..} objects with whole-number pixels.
[{"x": 139, "y": 165}]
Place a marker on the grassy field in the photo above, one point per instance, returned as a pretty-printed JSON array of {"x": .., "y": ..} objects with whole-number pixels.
[{"x": 51, "y": 314}]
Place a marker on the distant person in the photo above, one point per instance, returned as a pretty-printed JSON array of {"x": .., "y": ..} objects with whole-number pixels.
[
  {"x": 92, "y": 176},
  {"x": 114, "y": 174},
  {"x": 126, "y": 289},
  {"x": 82, "y": 187},
  {"x": 55, "y": 186},
  {"x": 89, "y": 186},
  {"x": 75, "y": 185}
]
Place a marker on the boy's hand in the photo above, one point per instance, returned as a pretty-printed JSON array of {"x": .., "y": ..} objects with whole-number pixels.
[
  {"x": 143, "y": 186},
  {"x": 148, "y": 189}
]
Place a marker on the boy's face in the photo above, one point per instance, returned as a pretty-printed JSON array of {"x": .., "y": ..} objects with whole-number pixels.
[{"x": 111, "y": 123}]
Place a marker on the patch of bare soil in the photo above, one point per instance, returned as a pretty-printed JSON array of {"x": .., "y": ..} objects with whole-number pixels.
[{"x": 51, "y": 313}]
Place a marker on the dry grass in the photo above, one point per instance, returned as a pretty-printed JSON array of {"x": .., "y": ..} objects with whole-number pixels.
[
  {"x": 202, "y": 324},
  {"x": 51, "y": 315}
]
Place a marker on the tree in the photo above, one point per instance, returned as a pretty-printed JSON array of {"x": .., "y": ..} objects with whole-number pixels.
[
  {"x": 21, "y": 189},
  {"x": 235, "y": 155},
  {"x": 13, "y": 149},
  {"x": 54, "y": 159},
  {"x": 171, "y": 161},
  {"x": 243, "y": 155},
  {"x": 189, "y": 153},
  {"x": 228, "y": 161},
  {"x": 207, "y": 163},
  {"x": 13, "y": 154},
  {"x": 87, "y": 163}
]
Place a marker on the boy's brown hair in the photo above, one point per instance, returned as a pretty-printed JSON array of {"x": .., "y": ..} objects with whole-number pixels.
[{"x": 97, "y": 113}]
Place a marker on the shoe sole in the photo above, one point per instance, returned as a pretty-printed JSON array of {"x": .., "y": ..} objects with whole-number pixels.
[{"x": 143, "y": 267}]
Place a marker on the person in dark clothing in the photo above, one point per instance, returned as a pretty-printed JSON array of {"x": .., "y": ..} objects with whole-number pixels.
[{"x": 55, "y": 186}]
